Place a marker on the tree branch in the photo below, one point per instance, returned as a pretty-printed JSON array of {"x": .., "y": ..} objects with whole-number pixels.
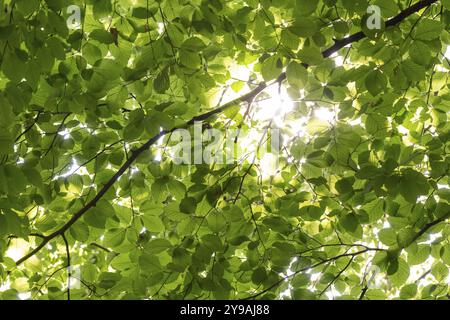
[
  {"x": 245, "y": 98},
  {"x": 100, "y": 247},
  {"x": 337, "y": 276},
  {"x": 69, "y": 272},
  {"x": 339, "y": 44},
  {"x": 57, "y": 133},
  {"x": 279, "y": 282},
  {"x": 29, "y": 127},
  {"x": 429, "y": 226}
]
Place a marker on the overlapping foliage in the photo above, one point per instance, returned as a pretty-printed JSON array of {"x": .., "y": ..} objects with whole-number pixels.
[{"x": 358, "y": 207}]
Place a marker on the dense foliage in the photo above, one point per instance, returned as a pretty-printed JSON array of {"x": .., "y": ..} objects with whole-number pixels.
[{"x": 357, "y": 206}]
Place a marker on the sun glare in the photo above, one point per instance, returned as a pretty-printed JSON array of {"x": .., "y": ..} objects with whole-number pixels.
[
  {"x": 17, "y": 249},
  {"x": 447, "y": 52},
  {"x": 269, "y": 165},
  {"x": 275, "y": 107},
  {"x": 324, "y": 114},
  {"x": 240, "y": 72}
]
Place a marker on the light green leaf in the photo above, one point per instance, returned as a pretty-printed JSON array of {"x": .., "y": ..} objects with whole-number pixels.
[
  {"x": 297, "y": 75},
  {"x": 271, "y": 68},
  {"x": 428, "y": 30},
  {"x": 153, "y": 223}
]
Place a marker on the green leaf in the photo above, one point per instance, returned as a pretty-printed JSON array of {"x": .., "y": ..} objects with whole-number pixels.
[
  {"x": 190, "y": 59},
  {"x": 345, "y": 185},
  {"x": 305, "y": 7},
  {"x": 350, "y": 222},
  {"x": 3, "y": 226},
  {"x": 446, "y": 4},
  {"x": 297, "y": 75},
  {"x": 13, "y": 67},
  {"x": 216, "y": 221},
  {"x": 412, "y": 185},
  {"x": 271, "y": 68},
  {"x": 177, "y": 189},
  {"x": 13, "y": 179},
  {"x": 388, "y": 8},
  {"x": 446, "y": 255},
  {"x": 80, "y": 231},
  {"x": 157, "y": 246},
  {"x": 102, "y": 8},
  {"x": 418, "y": 254},
  {"x": 376, "y": 82},
  {"x": 121, "y": 262},
  {"x": 162, "y": 82},
  {"x": 153, "y": 223},
  {"x": 375, "y": 209},
  {"x": 413, "y": 71},
  {"x": 428, "y": 30},
  {"x": 114, "y": 237},
  {"x": 101, "y": 36},
  {"x": 310, "y": 55},
  {"x": 188, "y": 205},
  {"x": 259, "y": 275},
  {"x": 303, "y": 294},
  {"x": 96, "y": 217},
  {"x": 143, "y": 13},
  {"x": 107, "y": 280},
  {"x": 405, "y": 237},
  {"x": 193, "y": 44},
  {"x": 311, "y": 212},
  {"x": 408, "y": 291},
  {"x": 439, "y": 271},
  {"x": 6, "y": 142},
  {"x": 387, "y": 236},
  {"x": 420, "y": 53},
  {"x": 91, "y": 146},
  {"x": 304, "y": 27},
  {"x": 150, "y": 263}
]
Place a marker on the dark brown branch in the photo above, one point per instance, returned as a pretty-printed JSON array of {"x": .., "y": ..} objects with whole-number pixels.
[
  {"x": 48, "y": 279},
  {"x": 100, "y": 247},
  {"x": 29, "y": 127},
  {"x": 97, "y": 155},
  {"x": 57, "y": 133},
  {"x": 279, "y": 282},
  {"x": 37, "y": 235},
  {"x": 363, "y": 292},
  {"x": 355, "y": 245},
  {"x": 245, "y": 98},
  {"x": 417, "y": 236},
  {"x": 94, "y": 201},
  {"x": 69, "y": 272},
  {"x": 339, "y": 44},
  {"x": 337, "y": 276},
  {"x": 429, "y": 226}
]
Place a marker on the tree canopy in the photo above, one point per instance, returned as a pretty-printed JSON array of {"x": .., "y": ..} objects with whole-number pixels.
[{"x": 339, "y": 109}]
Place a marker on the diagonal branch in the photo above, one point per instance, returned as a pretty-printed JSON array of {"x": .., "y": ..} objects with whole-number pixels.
[
  {"x": 35, "y": 120},
  {"x": 339, "y": 44},
  {"x": 333, "y": 259},
  {"x": 429, "y": 226},
  {"x": 247, "y": 98},
  {"x": 335, "y": 278},
  {"x": 57, "y": 133}
]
